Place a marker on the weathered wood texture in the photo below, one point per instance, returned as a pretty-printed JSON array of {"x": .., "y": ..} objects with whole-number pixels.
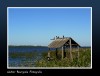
[{"x": 64, "y": 42}]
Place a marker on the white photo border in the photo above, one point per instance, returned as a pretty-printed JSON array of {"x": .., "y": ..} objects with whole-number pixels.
[{"x": 45, "y": 67}]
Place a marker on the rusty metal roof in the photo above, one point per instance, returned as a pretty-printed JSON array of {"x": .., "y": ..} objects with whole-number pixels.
[{"x": 60, "y": 42}]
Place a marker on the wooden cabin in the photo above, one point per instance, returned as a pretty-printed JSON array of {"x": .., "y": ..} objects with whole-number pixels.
[{"x": 63, "y": 43}]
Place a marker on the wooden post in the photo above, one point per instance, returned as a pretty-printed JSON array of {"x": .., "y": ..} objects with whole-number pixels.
[
  {"x": 56, "y": 53},
  {"x": 62, "y": 52},
  {"x": 49, "y": 54},
  {"x": 78, "y": 53},
  {"x": 71, "y": 50}
]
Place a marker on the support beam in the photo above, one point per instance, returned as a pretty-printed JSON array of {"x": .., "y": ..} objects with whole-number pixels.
[
  {"x": 71, "y": 44},
  {"x": 70, "y": 50},
  {"x": 78, "y": 53},
  {"x": 62, "y": 52},
  {"x": 48, "y": 55},
  {"x": 56, "y": 53}
]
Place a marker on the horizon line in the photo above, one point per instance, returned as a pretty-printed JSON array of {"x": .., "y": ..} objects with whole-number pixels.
[{"x": 39, "y": 45}]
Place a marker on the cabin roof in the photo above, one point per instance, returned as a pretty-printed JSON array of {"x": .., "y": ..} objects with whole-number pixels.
[{"x": 57, "y": 43}]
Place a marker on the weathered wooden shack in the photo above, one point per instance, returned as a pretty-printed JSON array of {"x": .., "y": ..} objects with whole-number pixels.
[{"x": 64, "y": 42}]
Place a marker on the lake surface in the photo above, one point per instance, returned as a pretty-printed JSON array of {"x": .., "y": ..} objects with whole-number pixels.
[
  {"x": 27, "y": 49},
  {"x": 25, "y": 61}
]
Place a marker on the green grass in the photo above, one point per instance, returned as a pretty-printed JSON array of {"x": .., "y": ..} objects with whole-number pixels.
[
  {"x": 22, "y": 54},
  {"x": 84, "y": 59}
]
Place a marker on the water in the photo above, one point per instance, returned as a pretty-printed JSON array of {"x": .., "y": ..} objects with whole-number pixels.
[
  {"x": 23, "y": 61},
  {"x": 27, "y": 49}
]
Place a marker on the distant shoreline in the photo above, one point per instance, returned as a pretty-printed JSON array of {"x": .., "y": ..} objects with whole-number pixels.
[
  {"x": 25, "y": 46},
  {"x": 39, "y": 46}
]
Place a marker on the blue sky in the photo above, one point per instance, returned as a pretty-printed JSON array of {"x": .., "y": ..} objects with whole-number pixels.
[{"x": 36, "y": 26}]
